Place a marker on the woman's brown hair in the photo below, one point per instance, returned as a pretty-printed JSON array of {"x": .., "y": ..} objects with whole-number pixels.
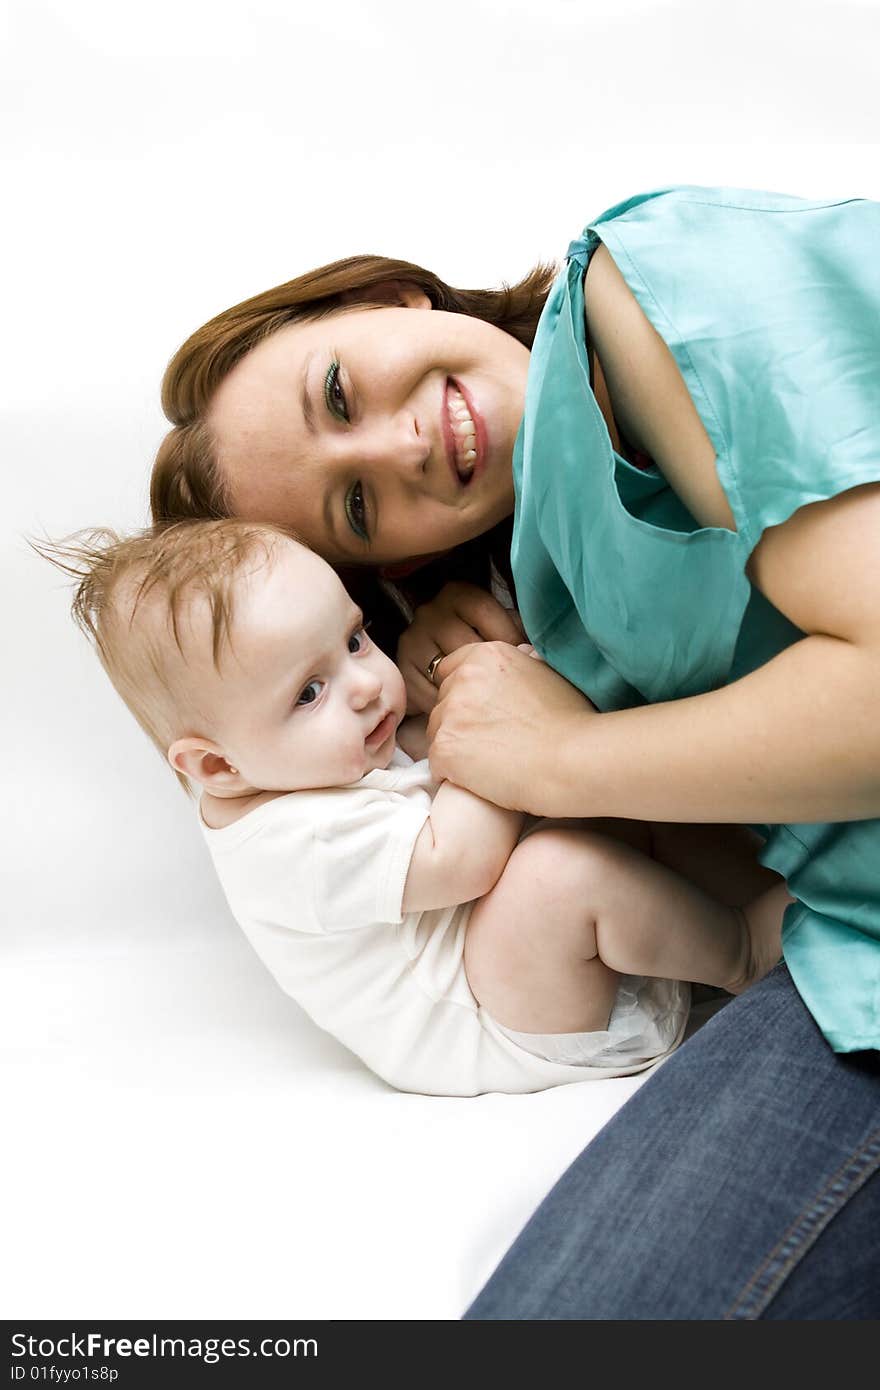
[{"x": 185, "y": 483}]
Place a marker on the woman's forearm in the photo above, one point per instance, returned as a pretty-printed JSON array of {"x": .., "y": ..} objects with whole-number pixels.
[{"x": 796, "y": 740}]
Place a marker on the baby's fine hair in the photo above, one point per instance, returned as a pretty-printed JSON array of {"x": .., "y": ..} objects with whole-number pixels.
[{"x": 116, "y": 574}]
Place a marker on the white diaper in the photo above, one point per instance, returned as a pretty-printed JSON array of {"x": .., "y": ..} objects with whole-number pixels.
[{"x": 646, "y": 1022}]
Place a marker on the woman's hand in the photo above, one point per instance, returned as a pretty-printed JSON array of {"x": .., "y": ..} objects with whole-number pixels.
[
  {"x": 460, "y": 615},
  {"x": 412, "y": 737},
  {"x": 502, "y": 723}
]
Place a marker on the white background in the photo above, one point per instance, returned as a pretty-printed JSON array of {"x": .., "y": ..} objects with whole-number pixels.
[{"x": 180, "y": 1141}]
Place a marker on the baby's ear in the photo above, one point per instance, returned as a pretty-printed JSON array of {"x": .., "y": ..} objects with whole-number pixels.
[
  {"x": 206, "y": 763},
  {"x": 401, "y": 294}
]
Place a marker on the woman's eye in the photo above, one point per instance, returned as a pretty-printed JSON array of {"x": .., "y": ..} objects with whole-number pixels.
[
  {"x": 356, "y": 511},
  {"x": 358, "y": 641},
  {"x": 309, "y": 694},
  {"x": 334, "y": 396}
]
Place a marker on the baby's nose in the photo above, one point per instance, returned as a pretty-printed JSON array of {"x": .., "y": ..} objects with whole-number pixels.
[{"x": 366, "y": 689}]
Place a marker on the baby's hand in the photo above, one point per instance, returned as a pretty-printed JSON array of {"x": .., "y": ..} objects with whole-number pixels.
[{"x": 529, "y": 650}]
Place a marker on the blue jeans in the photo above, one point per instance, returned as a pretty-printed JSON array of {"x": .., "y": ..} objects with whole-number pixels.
[{"x": 740, "y": 1181}]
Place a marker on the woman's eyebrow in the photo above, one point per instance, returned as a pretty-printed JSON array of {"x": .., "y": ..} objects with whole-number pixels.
[{"x": 308, "y": 409}]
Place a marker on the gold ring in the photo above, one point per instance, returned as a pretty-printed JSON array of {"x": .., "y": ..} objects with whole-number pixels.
[{"x": 433, "y": 664}]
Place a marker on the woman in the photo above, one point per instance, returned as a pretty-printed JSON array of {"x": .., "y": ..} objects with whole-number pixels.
[{"x": 693, "y": 445}]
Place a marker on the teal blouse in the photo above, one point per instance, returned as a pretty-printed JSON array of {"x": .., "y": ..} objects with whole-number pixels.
[{"x": 770, "y": 306}]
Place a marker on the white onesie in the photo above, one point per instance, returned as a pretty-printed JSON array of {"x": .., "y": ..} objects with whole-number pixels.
[{"x": 316, "y": 880}]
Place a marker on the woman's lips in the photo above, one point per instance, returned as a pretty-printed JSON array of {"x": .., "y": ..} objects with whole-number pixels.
[
  {"x": 382, "y": 732},
  {"x": 480, "y": 440}
]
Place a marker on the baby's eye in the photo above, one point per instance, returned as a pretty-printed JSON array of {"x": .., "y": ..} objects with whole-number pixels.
[
  {"x": 309, "y": 694},
  {"x": 358, "y": 641}
]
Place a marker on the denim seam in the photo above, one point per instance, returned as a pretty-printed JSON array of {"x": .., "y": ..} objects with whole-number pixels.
[{"x": 805, "y": 1230}]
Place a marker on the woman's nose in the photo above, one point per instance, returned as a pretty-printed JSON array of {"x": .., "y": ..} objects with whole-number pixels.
[{"x": 391, "y": 443}]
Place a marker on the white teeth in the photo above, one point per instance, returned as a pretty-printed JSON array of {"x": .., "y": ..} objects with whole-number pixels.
[{"x": 463, "y": 432}]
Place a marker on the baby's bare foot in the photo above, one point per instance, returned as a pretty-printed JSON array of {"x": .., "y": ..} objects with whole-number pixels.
[
  {"x": 761, "y": 924},
  {"x": 743, "y": 975}
]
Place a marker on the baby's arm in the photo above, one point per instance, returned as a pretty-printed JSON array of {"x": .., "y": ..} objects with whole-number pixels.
[{"x": 461, "y": 851}]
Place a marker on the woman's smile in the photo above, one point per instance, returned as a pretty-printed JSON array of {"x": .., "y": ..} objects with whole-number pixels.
[{"x": 464, "y": 434}]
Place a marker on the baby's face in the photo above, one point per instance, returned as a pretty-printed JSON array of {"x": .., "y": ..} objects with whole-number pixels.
[{"x": 303, "y": 698}]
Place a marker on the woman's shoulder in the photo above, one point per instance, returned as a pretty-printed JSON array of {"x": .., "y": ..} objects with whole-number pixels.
[
  {"x": 699, "y": 312},
  {"x": 649, "y": 398}
]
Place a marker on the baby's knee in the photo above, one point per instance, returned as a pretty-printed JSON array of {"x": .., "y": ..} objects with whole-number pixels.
[
  {"x": 569, "y": 862},
  {"x": 531, "y": 939},
  {"x": 532, "y": 908}
]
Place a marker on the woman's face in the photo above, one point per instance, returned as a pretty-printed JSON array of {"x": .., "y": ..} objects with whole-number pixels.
[{"x": 379, "y": 434}]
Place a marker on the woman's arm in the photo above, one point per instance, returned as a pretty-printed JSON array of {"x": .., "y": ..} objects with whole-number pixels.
[{"x": 796, "y": 740}]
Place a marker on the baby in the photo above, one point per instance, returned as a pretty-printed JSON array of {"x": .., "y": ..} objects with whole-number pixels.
[{"x": 454, "y": 949}]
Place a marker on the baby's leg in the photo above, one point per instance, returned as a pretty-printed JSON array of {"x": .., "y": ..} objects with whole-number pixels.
[{"x": 574, "y": 908}]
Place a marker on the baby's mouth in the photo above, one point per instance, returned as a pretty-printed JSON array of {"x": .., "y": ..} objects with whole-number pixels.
[{"x": 382, "y": 732}]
